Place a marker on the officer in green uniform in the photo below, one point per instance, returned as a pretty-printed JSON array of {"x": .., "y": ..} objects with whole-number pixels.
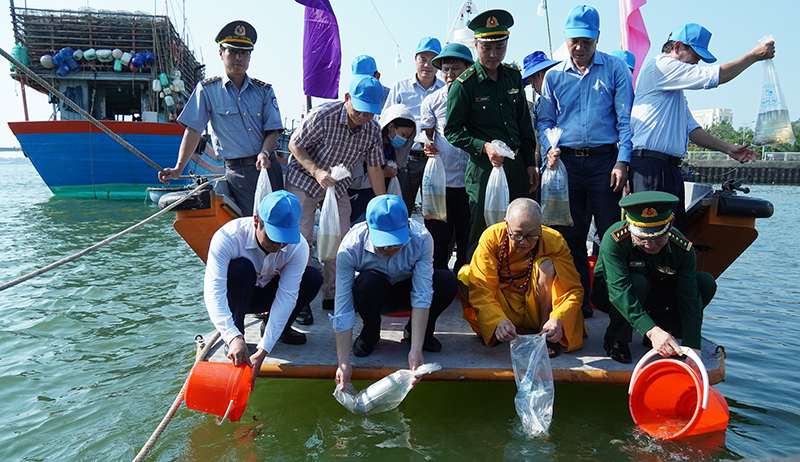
[
  {"x": 486, "y": 103},
  {"x": 646, "y": 278}
]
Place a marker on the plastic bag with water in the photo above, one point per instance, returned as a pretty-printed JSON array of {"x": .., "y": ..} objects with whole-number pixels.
[
  {"x": 773, "y": 125},
  {"x": 394, "y": 184},
  {"x": 535, "y": 390},
  {"x": 555, "y": 189},
  {"x": 329, "y": 235},
  {"x": 383, "y": 395},
  {"x": 434, "y": 190},
  {"x": 497, "y": 196},
  {"x": 263, "y": 189}
]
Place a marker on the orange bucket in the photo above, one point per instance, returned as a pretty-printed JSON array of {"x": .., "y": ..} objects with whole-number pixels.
[
  {"x": 669, "y": 399},
  {"x": 221, "y": 389}
]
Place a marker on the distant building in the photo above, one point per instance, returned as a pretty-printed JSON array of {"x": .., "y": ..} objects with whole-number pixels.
[{"x": 709, "y": 117}]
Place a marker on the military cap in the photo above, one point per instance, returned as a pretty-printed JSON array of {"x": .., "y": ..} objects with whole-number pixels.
[
  {"x": 649, "y": 213},
  {"x": 237, "y": 35},
  {"x": 453, "y": 50},
  {"x": 492, "y": 25}
]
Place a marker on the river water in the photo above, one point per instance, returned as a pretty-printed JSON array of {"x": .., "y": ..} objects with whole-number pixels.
[{"x": 93, "y": 353}]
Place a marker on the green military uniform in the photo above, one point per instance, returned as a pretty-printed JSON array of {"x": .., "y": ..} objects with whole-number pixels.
[
  {"x": 640, "y": 290},
  {"x": 480, "y": 110}
]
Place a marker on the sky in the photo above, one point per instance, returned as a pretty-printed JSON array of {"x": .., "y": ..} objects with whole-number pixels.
[{"x": 736, "y": 25}]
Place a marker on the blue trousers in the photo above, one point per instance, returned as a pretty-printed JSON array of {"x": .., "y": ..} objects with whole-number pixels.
[
  {"x": 589, "y": 178},
  {"x": 245, "y": 297}
]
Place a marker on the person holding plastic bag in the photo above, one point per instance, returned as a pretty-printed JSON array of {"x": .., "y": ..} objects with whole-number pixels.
[
  {"x": 397, "y": 134},
  {"x": 521, "y": 280},
  {"x": 336, "y": 133},
  {"x": 452, "y": 61},
  {"x": 485, "y": 103},
  {"x": 385, "y": 265},
  {"x": 661, "y": 121}
]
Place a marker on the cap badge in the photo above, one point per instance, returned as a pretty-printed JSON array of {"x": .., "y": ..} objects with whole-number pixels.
[
  {"x": 491, "y": 22},
  {"x": 649, "y": 212},
  {"x": 239, "y": 30}
]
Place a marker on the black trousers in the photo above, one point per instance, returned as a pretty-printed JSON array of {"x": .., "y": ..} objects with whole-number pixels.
[
  {"x": 244, "y": 297},
  {"x": 374, "y": 295},
  {"x": 649, "y": 174},
  {"x": 410, "y": 178},
  {"x": 455, "y": 228}
]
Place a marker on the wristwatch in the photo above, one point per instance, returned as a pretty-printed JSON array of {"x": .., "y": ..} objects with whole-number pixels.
[{"x": 265, "y": 152}]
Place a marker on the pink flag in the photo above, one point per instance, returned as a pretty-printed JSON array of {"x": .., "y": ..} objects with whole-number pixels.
[{"x": 633, "y": 34}]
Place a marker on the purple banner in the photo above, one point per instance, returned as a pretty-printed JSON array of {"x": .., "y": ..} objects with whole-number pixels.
[{"x": 322, "y": 50}]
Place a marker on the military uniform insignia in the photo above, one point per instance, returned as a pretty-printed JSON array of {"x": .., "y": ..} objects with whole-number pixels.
[
  {"x": 210, "y": 80},
  {"x": 261, "y": 83},
  {"x": 680, "y": 241},
  {"x": 239, "y": 30},
  {"x": 482, "y": 99},
  {"x": 275, "y": 102},
  {"x": 621, "y": 234},
  {"x": 513, "y": 91},
  {"x": 636, "y": 264},
  {"x": 649, "y": 212},
  {"x": 466, "y": 74},
  {"x": 491, "y": 23},
  {"x": 511, "y": 66},
  {"x": 666, "y": 270}
]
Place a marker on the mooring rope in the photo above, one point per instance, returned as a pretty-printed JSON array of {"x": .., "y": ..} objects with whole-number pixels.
[
  {"x": 105, "y": 241},
  {"x": 78, "y": 109},
  {"x": 178, "y": 399}
]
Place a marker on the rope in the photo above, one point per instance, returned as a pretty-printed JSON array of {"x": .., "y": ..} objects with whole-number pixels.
[
  {"x": 103, "y": 242},
  {"x": 387, "y": 28},
  {"x": 175, "y": 404},
  {"x": 78, "y": 109}
]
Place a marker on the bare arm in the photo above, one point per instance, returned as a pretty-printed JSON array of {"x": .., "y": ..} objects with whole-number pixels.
[
  {"x": 188, "y": 144},
  {"x": 739, "y": 152},
  {"x": 301, "y": 155},
  {"x": 343, "y": 371},
  {"x": 376, "y": 179},
  {"x": 729, "y": 71}
]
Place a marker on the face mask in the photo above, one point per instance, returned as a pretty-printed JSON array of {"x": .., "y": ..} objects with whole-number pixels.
[{"x": 397, "y": 141}]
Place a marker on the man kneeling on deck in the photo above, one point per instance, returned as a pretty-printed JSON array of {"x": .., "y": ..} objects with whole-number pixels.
[
  {"x": 258, "y": 264},
  {"x": 385, "y": 265},
  {"x": 522, "y": 281},
  {"x": 646, "y": 278}
]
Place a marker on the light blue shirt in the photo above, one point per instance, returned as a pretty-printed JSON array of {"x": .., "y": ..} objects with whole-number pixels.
[
  {"x": 592, "y": 109},
  {"x": 238, "y": 118},
  {"x": 356, "y": 253},
  {"x": 660, "y": 118},
  {"x": 433, "y": 114},
  {"x": 410, "y": 92}
]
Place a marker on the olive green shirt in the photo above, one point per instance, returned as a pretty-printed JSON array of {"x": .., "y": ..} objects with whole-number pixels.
[
  {"x": 619, "y": 257},
  {"x": 480, "y": 110}
]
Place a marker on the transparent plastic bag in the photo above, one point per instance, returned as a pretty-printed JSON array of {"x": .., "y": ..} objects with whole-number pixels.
[
  {"x": 434, "y": 189},
  {"x": 773, "y": 125},
  {"x": 394, "y": 184},
  {"x": 534, "y": 377},
  {"x": 497, "y": 197},
  {"x": 329, "y": 235},
  {"x": 383, "y": 395},
  {"x": 263, "y": 189},
  {"x": 555, "y": 189}
]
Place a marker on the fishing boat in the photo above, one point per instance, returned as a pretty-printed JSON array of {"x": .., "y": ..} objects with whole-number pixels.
[{"x": 132, "y": 92}]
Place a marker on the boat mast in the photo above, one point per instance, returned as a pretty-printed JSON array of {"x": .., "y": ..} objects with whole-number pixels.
[{"x": 16, "y": 41}]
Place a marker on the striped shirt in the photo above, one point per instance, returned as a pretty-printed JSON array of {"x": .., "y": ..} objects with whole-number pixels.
[{"x": 330, "y": 142}]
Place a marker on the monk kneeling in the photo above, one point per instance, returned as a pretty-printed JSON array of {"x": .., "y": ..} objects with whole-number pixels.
[{"x": 522, "y": 281}]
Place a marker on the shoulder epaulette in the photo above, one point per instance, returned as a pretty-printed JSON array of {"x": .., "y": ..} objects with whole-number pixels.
[
  {"x": 512, "y": 66},
  {"x": 260, "y": 83},
  {"x": 210, "y": 80},
  {"x": 621, "y": 234},
  {"x": 680, "y": 241},
  {"x": 466, "y": 74}
]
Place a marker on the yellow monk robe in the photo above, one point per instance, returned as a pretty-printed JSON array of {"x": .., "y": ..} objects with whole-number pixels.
[{"x": 491, "y": 300}]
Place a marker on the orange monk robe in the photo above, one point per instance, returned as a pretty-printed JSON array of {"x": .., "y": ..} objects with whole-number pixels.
[{"x": 493, "y": 300}]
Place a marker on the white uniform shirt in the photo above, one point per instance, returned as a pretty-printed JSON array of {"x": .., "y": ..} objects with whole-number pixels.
[{"x": 236, "y": 239}]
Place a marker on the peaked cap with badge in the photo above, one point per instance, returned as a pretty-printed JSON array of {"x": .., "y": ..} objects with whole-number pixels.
[
  {"x": 649, "y": 213},
  {"x": 237, "y": 35},
  {"x": 492, "y": 25}
]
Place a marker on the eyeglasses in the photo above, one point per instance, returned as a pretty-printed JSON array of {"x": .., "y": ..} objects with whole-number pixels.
[{"x": 523, "y": 237}]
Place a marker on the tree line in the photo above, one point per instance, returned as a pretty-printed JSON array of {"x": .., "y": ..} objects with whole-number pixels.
[{"x": 725, "y": 131}]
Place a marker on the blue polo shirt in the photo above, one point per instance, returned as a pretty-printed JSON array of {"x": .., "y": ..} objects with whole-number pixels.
[
  {"x": 593, "y": 109},
  {"x": 238, "y": 118}
]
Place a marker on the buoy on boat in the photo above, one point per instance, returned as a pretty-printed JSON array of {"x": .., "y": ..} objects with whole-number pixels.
[{"x": 669, "y": 399}]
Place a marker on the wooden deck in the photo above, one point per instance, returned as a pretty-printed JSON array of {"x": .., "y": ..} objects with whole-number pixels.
[{"x": 463, "y": 356}]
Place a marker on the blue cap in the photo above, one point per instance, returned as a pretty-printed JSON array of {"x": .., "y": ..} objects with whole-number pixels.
[
  {"x": 697, "y": 37},
  {"x": 626, "y": 56},
  {"x": 453, "y": 50},
  {"x": 364, "y": 65},
  {"x": 428, "y": 44},
  {"x": 583, "y": 21},
  {"x": 281, "y": 214},
  {"x": 366, "y": 94},
  {"x": 535, "y": 62},
  {"x": 387, "y": 219}
]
